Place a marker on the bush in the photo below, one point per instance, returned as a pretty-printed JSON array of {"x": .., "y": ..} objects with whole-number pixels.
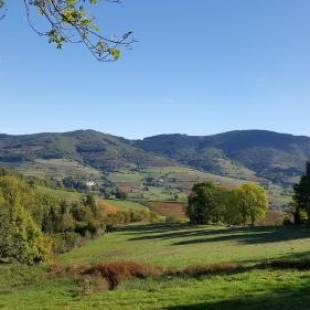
[
  {"x": 116, "y": 272},
  {"x": 119, "y": 194},
  {"x": 65, "y": 242}
]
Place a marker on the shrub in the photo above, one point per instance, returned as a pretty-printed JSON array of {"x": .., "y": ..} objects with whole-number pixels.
[
  {"x": 116, "y": 272},
  {"x": 65, "y": 242},
  {"x": 119, "y": 194}
]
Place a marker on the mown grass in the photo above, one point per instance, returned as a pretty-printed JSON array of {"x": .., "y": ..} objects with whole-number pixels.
[
  {"x": 176, "y": 247},
  {"x": 182, "y": 245}
]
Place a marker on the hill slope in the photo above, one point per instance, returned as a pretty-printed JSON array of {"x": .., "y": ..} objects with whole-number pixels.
[
  {"x": 98, "y": 150},
  {"x": 277, "y": 157},
  {"x": 277, "y": 160}
]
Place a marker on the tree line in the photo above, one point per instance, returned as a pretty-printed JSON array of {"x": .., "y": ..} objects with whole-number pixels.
[
  {"x": 211, "y": 204},
  {"x": 35, "y": 224}
]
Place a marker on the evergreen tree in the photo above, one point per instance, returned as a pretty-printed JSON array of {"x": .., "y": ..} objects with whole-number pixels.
[{"x": 302, "y": 195}]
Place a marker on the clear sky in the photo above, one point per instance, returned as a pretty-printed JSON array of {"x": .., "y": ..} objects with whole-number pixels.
[{"x": 200, "y": 67}]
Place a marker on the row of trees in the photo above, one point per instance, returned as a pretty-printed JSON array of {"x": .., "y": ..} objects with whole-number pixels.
[{"x": 210, "y": 204}]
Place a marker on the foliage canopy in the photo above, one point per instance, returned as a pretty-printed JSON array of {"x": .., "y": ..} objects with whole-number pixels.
[{"x": 71, "y": 21}]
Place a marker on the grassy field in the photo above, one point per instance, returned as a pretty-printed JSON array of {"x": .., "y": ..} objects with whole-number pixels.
[
  {"x": 174, "y": 247},
  {"x": 180, "y": 245}
]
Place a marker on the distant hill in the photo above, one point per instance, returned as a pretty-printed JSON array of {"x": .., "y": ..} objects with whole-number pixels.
[
  {"x": 274, "y": 159},
  {"x": 98, "y": 150},
  {"x": 277, "y": 157}
]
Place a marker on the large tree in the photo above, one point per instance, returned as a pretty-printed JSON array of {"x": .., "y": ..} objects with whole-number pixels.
[
  {"x": 70, "y": 21},
  {"x": 252, "y": 202},
  {"x": 205, "y": 205},
  {"x": 210, "y": 204}
]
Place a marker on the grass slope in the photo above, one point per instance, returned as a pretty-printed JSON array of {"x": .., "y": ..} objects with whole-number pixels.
[
  {"x": 174, "y": 246},
  {"x": 181, "y": 245}
]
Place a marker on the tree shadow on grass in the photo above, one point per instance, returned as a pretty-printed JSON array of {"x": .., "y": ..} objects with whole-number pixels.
[
  {"x": 254, "y": 237},
  {"x": 245, "y": 235},
  {"x": 182, "y": 231},
  {"x": 151, "y": 228},
  {"x": 282, "y": 298}
]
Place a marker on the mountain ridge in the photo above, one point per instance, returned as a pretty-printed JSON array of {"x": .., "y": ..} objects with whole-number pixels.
[{"x": 243, "y": 154}]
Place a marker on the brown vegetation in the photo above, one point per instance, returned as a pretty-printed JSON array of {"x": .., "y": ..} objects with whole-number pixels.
[
  {"x": 107, "y": 208},
  {"x": 116, "y": 272},
  {"x": 168, "y": 209},
  {"x": 108, "y": 276}
]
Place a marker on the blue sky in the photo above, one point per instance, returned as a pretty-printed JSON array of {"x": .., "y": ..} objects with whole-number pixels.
[{"x": 200, "y": 67}]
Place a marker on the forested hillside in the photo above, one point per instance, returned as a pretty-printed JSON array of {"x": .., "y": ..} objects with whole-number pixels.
[
  {"x": 277, "y": 157},
  {"x": 145, "y": 167}
]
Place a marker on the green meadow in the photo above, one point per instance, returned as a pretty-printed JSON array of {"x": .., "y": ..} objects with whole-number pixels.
[{"x": 174, "y": 247}]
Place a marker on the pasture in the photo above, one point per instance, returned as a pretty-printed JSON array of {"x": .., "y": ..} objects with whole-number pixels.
[{"x": 174, "y": 247}]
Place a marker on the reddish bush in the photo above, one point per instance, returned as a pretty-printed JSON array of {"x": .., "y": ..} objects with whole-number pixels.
[{"x": 116, "y": 272}]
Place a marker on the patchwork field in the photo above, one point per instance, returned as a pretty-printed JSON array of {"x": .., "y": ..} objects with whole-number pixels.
[
  {"x": 171, "y": 183},
  {"x": 174, "y": 184},
  {"x": 175, "y": 247},
  {"x": 57, "y": 168}
]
